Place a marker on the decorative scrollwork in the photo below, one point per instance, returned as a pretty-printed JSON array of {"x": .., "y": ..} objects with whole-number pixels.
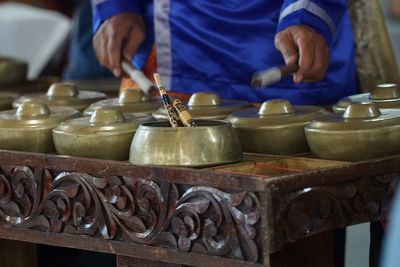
[
  {"x": 224, "y": 222},
  {"x": 20, "y": 195},
  {"x": 188, "y": 218},
  {"x": 327, "y": 207}
]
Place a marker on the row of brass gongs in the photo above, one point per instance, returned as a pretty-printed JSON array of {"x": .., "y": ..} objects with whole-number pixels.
[{"x": 86, "y": 123}]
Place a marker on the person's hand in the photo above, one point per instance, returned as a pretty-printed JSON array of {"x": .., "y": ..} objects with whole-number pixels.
[
  {"x": 303, "y": 46},
  {"x": 395, "y": 9},
  {"x": 119, "y": 36}
]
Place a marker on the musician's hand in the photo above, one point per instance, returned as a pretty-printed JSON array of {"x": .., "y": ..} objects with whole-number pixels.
[
  {"x": 119, "y": 36},
  {"x": 302, "y": 45}
]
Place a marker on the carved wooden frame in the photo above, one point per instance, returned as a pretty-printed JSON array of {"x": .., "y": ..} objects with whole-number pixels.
[{"x": 182, "y": 215}]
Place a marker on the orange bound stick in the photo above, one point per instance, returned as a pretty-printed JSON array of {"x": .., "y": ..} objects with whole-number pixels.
[
  {"x": 172, "y": 116},
  {"x": 183, "y": 114}
]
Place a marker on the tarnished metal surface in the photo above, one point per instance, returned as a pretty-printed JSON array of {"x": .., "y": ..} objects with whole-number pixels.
[
  {"x": 385, "y": 95},
  {"x": 211, "y": 143},
  {"x": 129, "y": 101},
  {"x": 207, "y": 106},
  {"x": 362, "y": 132},
  {"x": 63, "y": 95},
  {"x": 107, "y": 134},
  {"x": 29, "y": 127},
  {"x": 276, "y": 128},
  {"x": 12, "y": 71},
  {"x": 6, "y": 100},
  {"x": 374, "y": 54}
]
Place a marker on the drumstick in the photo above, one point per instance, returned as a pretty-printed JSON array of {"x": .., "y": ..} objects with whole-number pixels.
[
  {"x": 273, "y": 75},
  {"x": 183, "y": 114},
  {"x": 138, "y": 77},
  {"x": 172, "y": 116}
]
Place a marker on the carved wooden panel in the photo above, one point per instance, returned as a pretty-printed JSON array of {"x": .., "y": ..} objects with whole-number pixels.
[
  {"x": 186, "y": 218},
  {"x": 315, "y": 209}
]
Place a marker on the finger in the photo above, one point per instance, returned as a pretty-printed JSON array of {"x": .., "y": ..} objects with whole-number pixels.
[
  {"x": 114, "y": 46},
  {"x": 99, "y": 45},
  {"x": 133, "y": 41},
  {"x": 321, "y": 61},
  {"x": 284, "y": 43},
  {"x": 306, "y": 58},
  {"x": 96, "y": 43}
]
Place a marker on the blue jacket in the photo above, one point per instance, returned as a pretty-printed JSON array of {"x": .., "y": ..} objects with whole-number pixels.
[{"x": 208, "y": 45}]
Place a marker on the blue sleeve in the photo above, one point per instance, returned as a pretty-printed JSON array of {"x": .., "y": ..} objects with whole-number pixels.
[
  {"x": 104, "y": 9},
  {"x": 324, "y": 16}
]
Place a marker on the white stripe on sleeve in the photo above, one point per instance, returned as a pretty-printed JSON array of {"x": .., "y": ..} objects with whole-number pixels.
[{"x": 310, "y": 7}]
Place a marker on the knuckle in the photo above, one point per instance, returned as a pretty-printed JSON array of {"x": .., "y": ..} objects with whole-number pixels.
[
  {"x": 278, "y": 40},
  {"x": 111, "y": 48},
  {"x": 281, "y": 37},
  {"x": 113, "y": 34},
  {"x": 294, "y": 57},
  {"x": 301, "y": 35},
  {"x": 304, "y": 38},
  {"x": 111, "y": 31},
  {"x": 113, "y": 45},
  {"x": 278, "y": 36},
  {"x": 307, "y": 35}
]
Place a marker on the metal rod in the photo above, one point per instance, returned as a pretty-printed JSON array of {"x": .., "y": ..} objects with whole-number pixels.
[
  {"x": 137, "y": 76},
  {"x": 273, "y": 75}
]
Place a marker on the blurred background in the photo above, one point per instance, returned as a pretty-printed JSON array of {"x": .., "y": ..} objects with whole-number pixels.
[{"x": 54, "y": 38}]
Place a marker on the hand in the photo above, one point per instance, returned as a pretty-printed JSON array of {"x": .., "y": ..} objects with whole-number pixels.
[
  {"x": 395, "y": 8},
  {"x": 302, "y": 45},
  {"x": 119, "y": 36}
]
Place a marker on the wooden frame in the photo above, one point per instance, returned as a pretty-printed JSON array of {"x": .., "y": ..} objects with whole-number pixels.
[
  {"x": 183, "y": 216},
  {"x": 375, "y": 59}
]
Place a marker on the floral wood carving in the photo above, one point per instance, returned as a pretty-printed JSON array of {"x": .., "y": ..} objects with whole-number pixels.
[
  {"x": 187, "y": 218},
  {"x": 314, "y": 209}
]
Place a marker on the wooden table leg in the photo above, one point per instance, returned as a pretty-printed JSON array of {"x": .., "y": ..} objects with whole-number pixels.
[
  {"x": 17, "y": 254},
  {"x": 314, "y": 251},
  {"x": 123, "y": 261}
]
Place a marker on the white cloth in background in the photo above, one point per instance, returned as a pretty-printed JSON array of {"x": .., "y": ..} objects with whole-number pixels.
[{"x": 32, "y": 34}]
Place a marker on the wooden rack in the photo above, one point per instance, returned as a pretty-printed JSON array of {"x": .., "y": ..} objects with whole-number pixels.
[{"x": 243, "y": 214}]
